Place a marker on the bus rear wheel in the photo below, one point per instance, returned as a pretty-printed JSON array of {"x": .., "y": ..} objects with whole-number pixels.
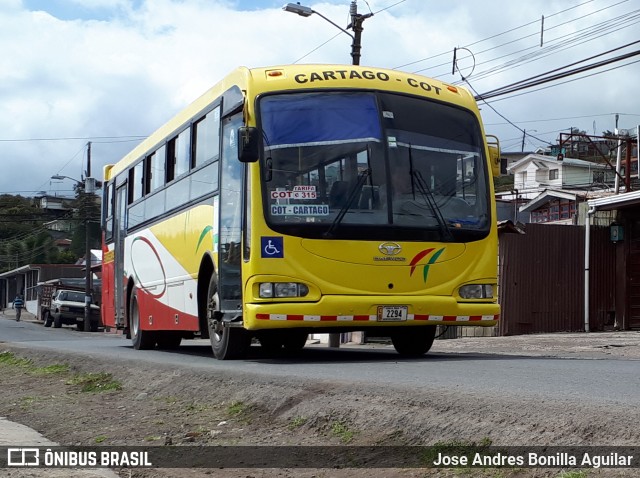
[
  {"x": 142, "y": 339},
  {"x": 413, "y": 341},
  {"x": 227, "y": 342}
]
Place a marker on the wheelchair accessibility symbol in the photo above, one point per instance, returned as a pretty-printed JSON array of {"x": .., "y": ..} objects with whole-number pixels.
[{"x": 271, "y": 247}]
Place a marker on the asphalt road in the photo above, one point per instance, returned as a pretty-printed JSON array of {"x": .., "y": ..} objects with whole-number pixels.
[{"x": 607, "y": 380}]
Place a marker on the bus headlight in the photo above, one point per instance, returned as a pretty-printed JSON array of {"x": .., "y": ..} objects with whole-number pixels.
[
  {"x": 476, "y": 291},
  {"x": 270, "y": 290}
]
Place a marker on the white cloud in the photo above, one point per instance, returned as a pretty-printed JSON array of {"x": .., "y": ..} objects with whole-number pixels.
[{"x": 126, "y": 71}]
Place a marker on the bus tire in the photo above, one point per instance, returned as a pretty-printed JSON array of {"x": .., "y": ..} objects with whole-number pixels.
[
  {"x": 413, "y": 341},
  {"x": 227, "y": 343},
  {"x": 294, "y": 341},
  {"x": 142, "y": 339}
]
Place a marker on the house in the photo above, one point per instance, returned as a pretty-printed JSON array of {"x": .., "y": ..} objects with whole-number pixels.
[
  {"x": 535, "y": 172},
  {"x": 550, "y": 189},
  {"x": 25, "y": 279}
]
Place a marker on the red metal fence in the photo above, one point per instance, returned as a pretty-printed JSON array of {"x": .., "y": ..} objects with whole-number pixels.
[{"x": 541, "y": 280}]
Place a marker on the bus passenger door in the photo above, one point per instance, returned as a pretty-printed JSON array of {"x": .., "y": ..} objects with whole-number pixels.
[
  {"x": 119, "y": 231},
  {"x": 230, "y": 234}
]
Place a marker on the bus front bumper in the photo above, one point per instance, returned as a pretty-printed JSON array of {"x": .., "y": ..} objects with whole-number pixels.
[{"x": 360, "y": 313}]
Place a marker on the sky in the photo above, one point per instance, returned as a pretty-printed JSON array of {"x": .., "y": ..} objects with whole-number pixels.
[{"x": 110, "y": 72}]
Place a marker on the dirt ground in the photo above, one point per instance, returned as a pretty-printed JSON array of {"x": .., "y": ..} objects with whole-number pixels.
[{"x": 157, "y": 406}]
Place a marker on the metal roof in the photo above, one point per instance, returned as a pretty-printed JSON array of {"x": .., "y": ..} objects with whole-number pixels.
[{"x": 617, "y": 201}]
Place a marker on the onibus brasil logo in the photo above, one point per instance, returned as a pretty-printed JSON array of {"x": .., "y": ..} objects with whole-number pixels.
[{"x": 425, "y": 268}]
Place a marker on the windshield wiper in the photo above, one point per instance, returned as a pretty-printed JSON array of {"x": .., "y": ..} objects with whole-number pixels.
[
  {"x": 427, "y": 195},
  {"x": 355, "y": 190}
]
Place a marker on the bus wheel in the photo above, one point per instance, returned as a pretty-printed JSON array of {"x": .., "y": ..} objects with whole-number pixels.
[
  {"x": 295, "y": 341},
  {"x": 413, "y": 341},
  {"x": 227, "y": 343},
  {"x": 142, "y": 339}
]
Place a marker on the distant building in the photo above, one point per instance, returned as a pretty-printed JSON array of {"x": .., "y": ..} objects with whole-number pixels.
[{"x": 550, "y": 189}]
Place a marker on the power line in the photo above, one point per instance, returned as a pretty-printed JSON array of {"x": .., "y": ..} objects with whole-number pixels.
[
  {"x": 503, "y": 33},
  {"x": 565, "y": 118},
  {"x": 548, "y": 76},
  {"x": 568, "y": 81},
  {"x": 556, "y": 45},
  {"x": 88, "y": 138}
]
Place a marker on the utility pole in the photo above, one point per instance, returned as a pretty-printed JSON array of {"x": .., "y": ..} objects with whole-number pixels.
[
  {"x": 88, "y": 190},
  {"x": 356, "y": 25}
]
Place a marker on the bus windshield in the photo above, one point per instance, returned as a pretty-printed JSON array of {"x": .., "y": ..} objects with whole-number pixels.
[{"x": 365, "y": 165}]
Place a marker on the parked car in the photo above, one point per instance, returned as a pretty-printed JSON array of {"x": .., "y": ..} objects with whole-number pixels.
[{"x": 67, "y": 308}]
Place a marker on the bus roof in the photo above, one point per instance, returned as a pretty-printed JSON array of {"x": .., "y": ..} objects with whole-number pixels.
[{"x": 252, "y": 82}]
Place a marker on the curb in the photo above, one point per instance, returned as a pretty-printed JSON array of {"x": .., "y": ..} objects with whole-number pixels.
[{"x": 13, "y": 434}]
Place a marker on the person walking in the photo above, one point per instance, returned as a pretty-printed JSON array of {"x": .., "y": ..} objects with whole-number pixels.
[{"x": 18, "y": 304}]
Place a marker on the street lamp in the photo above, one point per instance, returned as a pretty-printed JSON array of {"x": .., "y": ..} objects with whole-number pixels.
[
  {"x": 356, "y": 24},
  {"x": 89, "y": 186}
]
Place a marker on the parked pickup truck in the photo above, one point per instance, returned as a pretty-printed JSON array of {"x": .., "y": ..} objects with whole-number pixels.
[{"x": 67, "y": 308}]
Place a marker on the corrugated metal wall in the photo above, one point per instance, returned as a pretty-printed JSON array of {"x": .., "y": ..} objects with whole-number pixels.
[{"x": 541, "y": 279}]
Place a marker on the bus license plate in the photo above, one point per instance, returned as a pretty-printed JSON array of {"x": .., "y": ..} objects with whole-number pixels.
[{"x": 392, "y": 313}]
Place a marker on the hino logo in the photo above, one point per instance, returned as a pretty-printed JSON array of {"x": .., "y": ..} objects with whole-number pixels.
[{"x": 390, "y": 248}]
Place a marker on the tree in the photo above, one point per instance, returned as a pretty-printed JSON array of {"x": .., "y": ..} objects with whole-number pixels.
[
  {"x": 87, "y": 209},
  {"x": 24, "y": 239}
]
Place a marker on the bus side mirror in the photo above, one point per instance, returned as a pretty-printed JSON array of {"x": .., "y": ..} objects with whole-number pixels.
[
  {"x": 247, "y": 144},
  {"x": 494, "y": 154}
]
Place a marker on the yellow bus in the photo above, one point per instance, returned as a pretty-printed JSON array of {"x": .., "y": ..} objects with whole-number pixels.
[{"x": 304, "y": 199}]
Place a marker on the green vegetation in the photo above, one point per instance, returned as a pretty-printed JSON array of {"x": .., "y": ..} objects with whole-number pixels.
[
  {"x": 573, "y": 474},
  {"x": 237, "y": 408},
  {"x": 196, "y": 407},
  {"x": 297, "y": 422},
  {"x": 51, "y": 369},
  {"x": 100, "y": 438},
  {"x": 9, "y": 359},
  {"x": 27, "y": 402},
  {"x": 341, "y": 430},
  {"x": 95, "y": 382},
  {"x": 24, "y": 238}
]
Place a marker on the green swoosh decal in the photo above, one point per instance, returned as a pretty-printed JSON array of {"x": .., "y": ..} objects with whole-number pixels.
[{"x": 203, "y": 234}]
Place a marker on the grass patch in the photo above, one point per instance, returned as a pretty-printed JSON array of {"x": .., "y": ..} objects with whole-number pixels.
[
  {"x": 51, "y": 369},
  {"x": 95, "y": 382},
  {"x": 341, "y": 430},
  {"x": 9, "y": 358},
  {"x": 237, "y": 408},
  {"x": 240, "y": 411},
  {"x": 100, "y": 438},
  {"x": 27, "y": 402},
  {"x": 297, "y": 422}
]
